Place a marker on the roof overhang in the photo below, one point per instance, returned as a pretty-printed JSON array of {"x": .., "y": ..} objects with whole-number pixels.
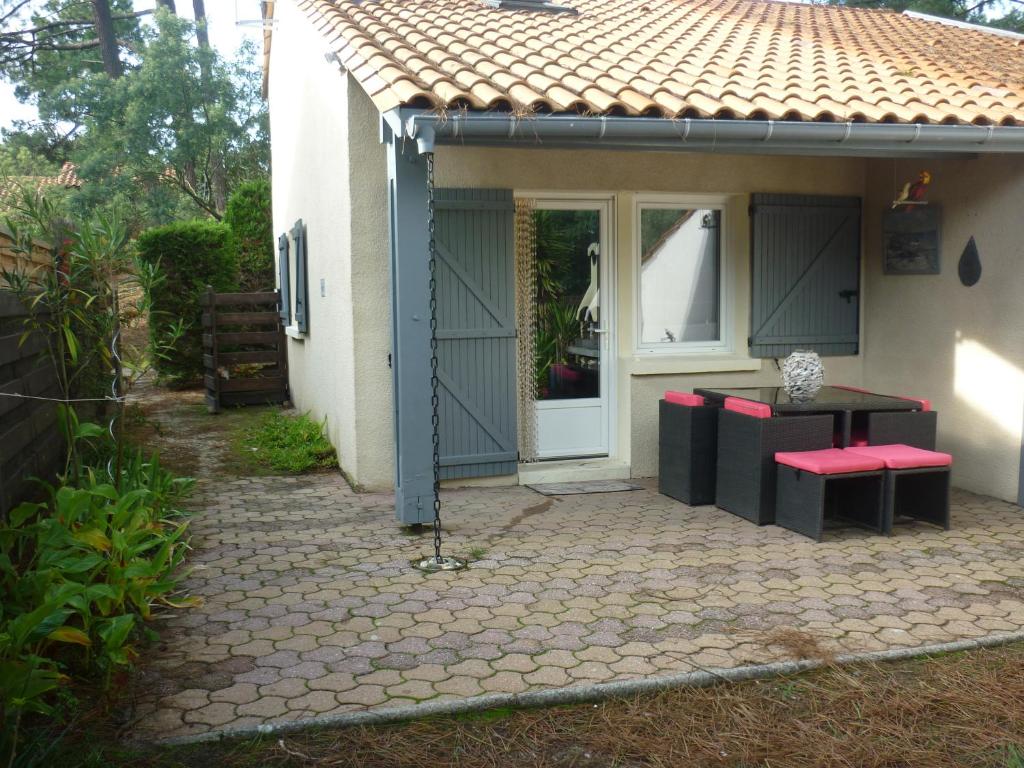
[{"x": 767, "y": 137}]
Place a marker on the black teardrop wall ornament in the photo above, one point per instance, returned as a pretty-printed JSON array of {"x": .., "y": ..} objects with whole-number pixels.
[{"x": 970, "y": 264}]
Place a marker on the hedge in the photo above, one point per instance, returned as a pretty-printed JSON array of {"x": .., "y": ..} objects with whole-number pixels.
[
  {"x": 249, "y": 216},
  {"x": 191, "y": 256}
]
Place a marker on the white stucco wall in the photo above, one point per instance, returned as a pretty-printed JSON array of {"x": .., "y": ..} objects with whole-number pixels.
[
  {"x": 328, "y": 169},
  {"x": 963, "y": 348}
]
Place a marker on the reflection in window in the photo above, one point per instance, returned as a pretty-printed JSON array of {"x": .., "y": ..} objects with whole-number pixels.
[{"x": 680, "y": 274}]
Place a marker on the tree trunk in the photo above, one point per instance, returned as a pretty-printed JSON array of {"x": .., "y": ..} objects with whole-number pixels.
[
  {"x": 218, "y": 173},
  {"x": 108, "y": 38},
  {"x": 169, "y": 5},
  {"x": 202, "y": 35}
]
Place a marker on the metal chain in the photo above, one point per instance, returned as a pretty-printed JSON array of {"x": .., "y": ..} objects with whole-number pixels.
[{"x": 435, "y": 419}]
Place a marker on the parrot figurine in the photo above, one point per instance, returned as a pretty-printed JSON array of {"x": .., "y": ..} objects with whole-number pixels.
[{"x": 913, "y": 192}]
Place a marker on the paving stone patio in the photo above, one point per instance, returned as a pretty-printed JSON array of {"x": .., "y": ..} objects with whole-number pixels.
[{"x": 311, "y": 608}]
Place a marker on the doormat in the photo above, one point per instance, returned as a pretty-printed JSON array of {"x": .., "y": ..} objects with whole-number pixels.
[{"x": 586, "y": 486}]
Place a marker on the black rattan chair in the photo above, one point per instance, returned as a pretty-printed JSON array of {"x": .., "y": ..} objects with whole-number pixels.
[
  {"x": 915, "y": 428},
  {"x": 747, "y": 445},
  {"x": 687, "y": 451}
]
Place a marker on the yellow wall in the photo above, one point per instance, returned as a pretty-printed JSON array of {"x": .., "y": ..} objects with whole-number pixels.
[
  {"x": 961, "y": 347},
  {"x": 641, "y": 379}
]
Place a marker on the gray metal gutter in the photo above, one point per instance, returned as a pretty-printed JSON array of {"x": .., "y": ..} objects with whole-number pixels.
[{"x": 701, "y": 135}]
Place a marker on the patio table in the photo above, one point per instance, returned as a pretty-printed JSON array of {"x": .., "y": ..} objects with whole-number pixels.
[{"x": 836, "y": 400}]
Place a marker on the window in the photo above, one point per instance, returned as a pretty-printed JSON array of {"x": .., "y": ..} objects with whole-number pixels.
[{"x": 680, "y": 296}]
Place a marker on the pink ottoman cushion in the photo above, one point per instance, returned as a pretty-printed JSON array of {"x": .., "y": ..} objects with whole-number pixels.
[
  {"x": 683, "y": 398},
  {"x": 899, "y": 456},
  {"x": 748, "y": 407},
  {"x": 829, "y": 461}
]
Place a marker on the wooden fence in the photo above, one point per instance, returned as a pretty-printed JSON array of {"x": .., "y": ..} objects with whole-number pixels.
[
  {"x": 245, "y": 355},
  {"x": 30, "y": 442},
  {"x": 12, "y": 260}
]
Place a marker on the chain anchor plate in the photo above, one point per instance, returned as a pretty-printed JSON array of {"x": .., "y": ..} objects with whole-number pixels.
[{"x": 436, "y": 562}]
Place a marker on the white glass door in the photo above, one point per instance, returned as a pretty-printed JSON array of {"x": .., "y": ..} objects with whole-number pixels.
[{"x": 573, "y": 322}]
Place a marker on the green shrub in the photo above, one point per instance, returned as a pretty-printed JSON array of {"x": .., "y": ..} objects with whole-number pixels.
[
  {"x": 290, "y": 443},
  {"x": 191, "y": 256},
  {"x": 80, "y": 576},
  {"x": 249, "y": 216}
]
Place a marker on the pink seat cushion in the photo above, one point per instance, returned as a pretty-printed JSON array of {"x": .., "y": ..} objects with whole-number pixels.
[
  {"x": 899, "y": 456},
  {"x": 926, "y": 405},
  {"x": 829, "y": 461},
  {"x": 748, "y": 407},
  {"x": 683, "y": 398}
]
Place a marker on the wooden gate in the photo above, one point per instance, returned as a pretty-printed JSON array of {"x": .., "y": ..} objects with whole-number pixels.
[{"x": 245, "y": 354}]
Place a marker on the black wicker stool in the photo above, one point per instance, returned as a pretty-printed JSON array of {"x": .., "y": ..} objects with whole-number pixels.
[
  {"x": 917, "y": 483},
  {"x": 687, "y": 451},
  {"x": 832, "y": 481}
]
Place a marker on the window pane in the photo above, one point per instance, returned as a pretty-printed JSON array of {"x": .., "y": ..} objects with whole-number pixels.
[
  {"x": 568, "y": 302},
  {"x": 680, "y": 264}
]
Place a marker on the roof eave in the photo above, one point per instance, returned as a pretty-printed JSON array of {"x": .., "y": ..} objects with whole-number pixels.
[{"x": 702, "y": 135}]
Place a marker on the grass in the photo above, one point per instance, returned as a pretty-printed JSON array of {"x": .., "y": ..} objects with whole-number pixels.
[
  {"x": 963, "y": 709},
  {"x": 288, "y": 443}
]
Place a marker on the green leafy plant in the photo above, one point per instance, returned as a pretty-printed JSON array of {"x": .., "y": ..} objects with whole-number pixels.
[
  {"x": 557, "y": 327},
  {"x": 80, "y": 574},
  {"x": 249, "y": 216},
  {"x": 290, "y": 443},
  {"x": 191, "y": 256}
]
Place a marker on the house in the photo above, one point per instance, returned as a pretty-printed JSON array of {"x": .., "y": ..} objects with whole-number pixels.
[
  {"x": 11, "y": 188},
  {"x": 632, "y": 196}
]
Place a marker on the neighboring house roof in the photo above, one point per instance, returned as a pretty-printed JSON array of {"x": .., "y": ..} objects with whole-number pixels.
[
  {"x": 67, "y": 178},
  {"x": 753, "y": 59}
]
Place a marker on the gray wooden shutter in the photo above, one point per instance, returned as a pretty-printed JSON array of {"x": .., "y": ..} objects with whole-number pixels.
[
  {"x": 301, "y": 277},
  {"x": 282, "y": 274},
  {"x": 476, "y": 331},
  {"x": 805, "y": 274}
]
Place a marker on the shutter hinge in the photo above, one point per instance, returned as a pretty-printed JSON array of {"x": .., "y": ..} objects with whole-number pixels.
[{"x": 750, "y": 341}]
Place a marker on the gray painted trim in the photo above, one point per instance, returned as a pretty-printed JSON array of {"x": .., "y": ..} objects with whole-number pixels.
[
  {"x": 587, "y": 693},
  {"x": 703, "y": 135},
  {"x": 410, "y": 342}
]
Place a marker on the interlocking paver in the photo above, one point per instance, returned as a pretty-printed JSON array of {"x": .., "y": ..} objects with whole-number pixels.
[{"x": 310, "y": 606}]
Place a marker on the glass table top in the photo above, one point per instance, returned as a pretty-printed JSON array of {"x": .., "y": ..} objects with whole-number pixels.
[{"x": 828, "y": 398}]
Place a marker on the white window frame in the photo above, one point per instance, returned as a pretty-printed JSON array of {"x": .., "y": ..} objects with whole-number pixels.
[{"x": 724, "y": 345}]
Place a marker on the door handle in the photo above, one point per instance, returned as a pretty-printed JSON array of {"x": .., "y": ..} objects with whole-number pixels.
[{"x": 599, "y": 330}]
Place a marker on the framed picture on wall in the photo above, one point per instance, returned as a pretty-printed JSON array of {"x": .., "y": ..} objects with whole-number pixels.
[{"x": 912, "y": 240}]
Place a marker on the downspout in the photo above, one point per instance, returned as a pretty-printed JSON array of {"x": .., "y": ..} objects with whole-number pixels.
[{"x": 767, "y": 136}]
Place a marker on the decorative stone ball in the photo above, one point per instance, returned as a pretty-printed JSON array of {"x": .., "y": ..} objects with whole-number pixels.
[{"x": 802, "y": 375}]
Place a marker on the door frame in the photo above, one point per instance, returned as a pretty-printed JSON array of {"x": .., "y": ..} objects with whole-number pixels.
[{"x": 607, "y": 204}]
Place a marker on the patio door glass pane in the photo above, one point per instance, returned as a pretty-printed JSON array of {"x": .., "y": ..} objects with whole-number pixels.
[{"x": 568, "y": 301}]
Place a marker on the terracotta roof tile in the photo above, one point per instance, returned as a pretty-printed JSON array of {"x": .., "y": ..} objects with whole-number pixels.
[{"x": 677, "y": 58}]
